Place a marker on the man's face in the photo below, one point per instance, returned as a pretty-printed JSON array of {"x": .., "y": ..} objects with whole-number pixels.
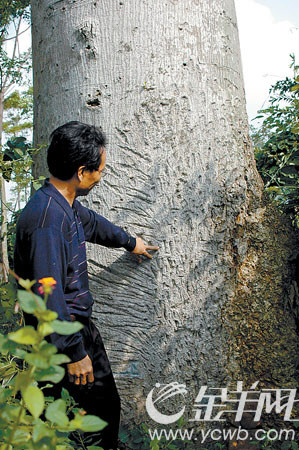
[{"x": 91, "y": 179}]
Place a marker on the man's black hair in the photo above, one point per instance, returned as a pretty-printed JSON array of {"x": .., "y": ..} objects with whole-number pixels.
[{"x": 72, "y": 145}]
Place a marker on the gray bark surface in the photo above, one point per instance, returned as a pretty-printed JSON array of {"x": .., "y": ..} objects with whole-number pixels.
[{"x": 164, "y": 81}]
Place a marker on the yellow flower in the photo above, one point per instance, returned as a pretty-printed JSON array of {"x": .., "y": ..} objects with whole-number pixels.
[
  {"x": 235, "y": 444},
  {"x": 47, "y": 285}
]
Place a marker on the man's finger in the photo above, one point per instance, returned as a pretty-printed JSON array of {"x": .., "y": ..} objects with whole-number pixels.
[
  {"x": 83, "y": 379},
  {"x": 152, "y": 247},
  {"x": 77, "y": 380},
  {"x": 147, "y": 254},
  {"x": 90, "y": 377}
]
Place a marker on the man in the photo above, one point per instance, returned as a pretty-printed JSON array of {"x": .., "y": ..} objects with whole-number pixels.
[{"x": 50, "y": 242}]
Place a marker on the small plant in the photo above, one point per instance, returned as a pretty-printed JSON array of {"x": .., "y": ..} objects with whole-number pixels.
[{"x": 28, "y": 419}]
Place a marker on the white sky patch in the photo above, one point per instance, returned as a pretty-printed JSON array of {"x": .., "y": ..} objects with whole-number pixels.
[
  {"x": 24, "y": 39},
  {"x": 265, "y": 47}
]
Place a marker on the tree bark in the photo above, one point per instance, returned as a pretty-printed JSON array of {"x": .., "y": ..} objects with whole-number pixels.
[{"x": 164, "y": 81}]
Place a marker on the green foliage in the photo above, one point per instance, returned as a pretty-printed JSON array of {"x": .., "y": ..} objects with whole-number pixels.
[
  {"x": 18, "y": 108},
  {"x": 13, "y": 68},
  {"x": 8, "y": 319},
  {"x": 16, "y": 150},
  {"x": 276, "y": 144},
  {"x": 28, "y": 419},
  {"x": 11, "y": 238},
  {"x": 11, "y": 9},
  {"x": 16, "y": 161}
]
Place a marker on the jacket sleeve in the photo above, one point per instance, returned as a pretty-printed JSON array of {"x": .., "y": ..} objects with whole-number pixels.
[
  {"x": 48, "y": 258},
  {"x": 99, "y": 230}
]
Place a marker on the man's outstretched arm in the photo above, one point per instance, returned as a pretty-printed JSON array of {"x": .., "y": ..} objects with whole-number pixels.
[{"x": 101, "y": 231}]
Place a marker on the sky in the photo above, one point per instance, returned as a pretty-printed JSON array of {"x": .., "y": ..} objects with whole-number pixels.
[{"x": 269, "y": 32}]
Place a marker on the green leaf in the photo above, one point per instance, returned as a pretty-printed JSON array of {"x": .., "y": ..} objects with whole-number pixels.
[
  {"x": 26, "y": 335},
  {"x": 144, "y": 427},
  {"x": 36, "y": 185},
  {"x": 10, "y": 413},
  {"x": 38, "y": 360},
  {"x": 47, "y": 315},
  {"x": 34, "y": 400},
  {"x": 45, "y": 329},
  {"x": 53, "y": 374},
  {"x": 18, "y": 152},
  {"x": 30, "y": 302},
  {"x": 20, "y": 436},
  {"x": 47, "y": 349},
  {"x": 154, "y": 445},
  {"x": 56, "y": 413},
  {"x": 87, "y": 423},
  {"x": 64, "y": 327},
  {"x": 41, "y": 430},
  {"x": 92, "y": 423},
  {"x": 65, "y": 395},
  {"x": 59, "y": 359},
  {"x": 22, "y": 380},
  {"x": 26, "y": 284},
  {"x": 5, "y": 393}
]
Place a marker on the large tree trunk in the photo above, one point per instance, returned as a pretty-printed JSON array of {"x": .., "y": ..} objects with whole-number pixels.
[{"x": 164, "y": 81}]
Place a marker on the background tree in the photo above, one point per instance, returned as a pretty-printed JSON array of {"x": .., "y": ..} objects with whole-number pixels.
[
  {"x": 164, "y": 80},
  {"x": 277, "y": 145},
  {"x": 12, "y": 67}
]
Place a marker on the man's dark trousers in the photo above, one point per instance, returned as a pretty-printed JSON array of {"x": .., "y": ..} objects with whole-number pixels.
[{"x": 101, "y": 398}]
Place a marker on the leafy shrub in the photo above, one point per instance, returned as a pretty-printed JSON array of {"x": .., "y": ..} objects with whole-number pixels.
[
  {"x": 28, "y": 419},
  {"x": 276, "y": 144}
]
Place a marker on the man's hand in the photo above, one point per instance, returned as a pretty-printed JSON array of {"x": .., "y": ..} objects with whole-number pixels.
[
  {"x": 141, "y": 248},
  {"x": 81, "y": 371}
]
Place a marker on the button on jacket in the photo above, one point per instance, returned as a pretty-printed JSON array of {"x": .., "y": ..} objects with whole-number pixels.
[{"x": 50, "y": 242}]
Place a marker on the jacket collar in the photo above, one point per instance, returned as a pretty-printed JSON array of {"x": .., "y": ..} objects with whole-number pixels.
[{"x": 50, "y": 190}]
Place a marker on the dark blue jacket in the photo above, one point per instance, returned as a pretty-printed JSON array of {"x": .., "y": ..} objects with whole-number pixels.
[{"x": 50, "y": 242}]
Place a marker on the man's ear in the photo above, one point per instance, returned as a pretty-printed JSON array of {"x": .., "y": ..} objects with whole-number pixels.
[{"x": 80, "y": 172}]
